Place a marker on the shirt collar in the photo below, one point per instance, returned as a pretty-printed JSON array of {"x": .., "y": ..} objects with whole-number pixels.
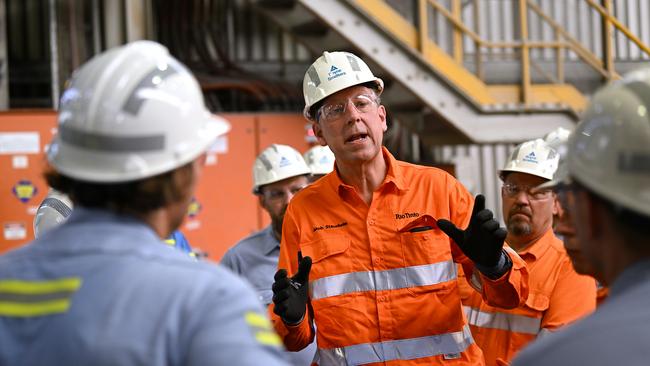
[
  {"x": 394, "y": 176},
  {"x": 270, "y": 243},
  {"x": 635, "y": 274},
  {"x": 538, "y": 248}
]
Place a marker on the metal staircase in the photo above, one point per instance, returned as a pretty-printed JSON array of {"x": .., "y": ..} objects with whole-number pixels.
[{"x": 459, "y": 92}]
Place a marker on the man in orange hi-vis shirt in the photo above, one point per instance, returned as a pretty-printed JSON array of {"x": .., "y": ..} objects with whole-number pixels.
[
  {"x": 364, "y": 255},
  {"x": 557, "y": 294}
]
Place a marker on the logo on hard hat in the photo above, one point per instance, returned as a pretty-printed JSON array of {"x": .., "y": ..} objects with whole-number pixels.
[
  {"x": 284, "y": 162},
  {"x": 194, "y": 208},
  {"x": 24, "y": 190},
  {"x": 324, "y": 159},
  {"x": 531, "y": 158},
  {"x": 334, "y": 73}
]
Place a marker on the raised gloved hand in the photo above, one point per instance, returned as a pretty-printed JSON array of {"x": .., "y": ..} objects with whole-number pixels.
[
  {"x": 290, "y": 295},
  {"x": 482, "y": 241}
]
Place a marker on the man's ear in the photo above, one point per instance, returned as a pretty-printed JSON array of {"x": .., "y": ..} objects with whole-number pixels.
[
  {"x": 318, "y": 132},
  {"x": 260, "y": 198},
  {"x": 593, "y": 217},
  {"x": 557, "y": 208},
  {"x": 381, "y": 110}
]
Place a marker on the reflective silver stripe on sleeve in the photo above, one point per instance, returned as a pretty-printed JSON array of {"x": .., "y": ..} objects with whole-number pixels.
[
  {"x": 504, "y": 321},
  {"x": 400, "y": 349},
  {"x": 112, "y": 143},
  {"x": 392, "y": 279}
]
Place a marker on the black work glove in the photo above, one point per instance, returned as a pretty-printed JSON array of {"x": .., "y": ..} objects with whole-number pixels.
[
  {"x": 482, "y": 241},
  {"x": 290, "y": 295}
]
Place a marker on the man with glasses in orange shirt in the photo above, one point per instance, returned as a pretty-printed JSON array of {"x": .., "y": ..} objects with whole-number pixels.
[
  {"x": 366, "y": 255},
  {"x": 557, "y": 294}
]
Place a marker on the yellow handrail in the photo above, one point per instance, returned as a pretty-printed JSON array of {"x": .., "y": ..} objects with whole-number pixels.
[{"x": 619, "y": 26}]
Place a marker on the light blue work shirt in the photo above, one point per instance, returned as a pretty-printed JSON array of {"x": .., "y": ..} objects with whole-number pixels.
[
  {"x": 616, "y": 334},
  {"x": 100, "y": 289},
  {"x": 255, "y": 258}
]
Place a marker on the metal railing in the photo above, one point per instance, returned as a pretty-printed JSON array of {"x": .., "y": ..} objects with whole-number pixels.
[{"x": 563, "y": 40}]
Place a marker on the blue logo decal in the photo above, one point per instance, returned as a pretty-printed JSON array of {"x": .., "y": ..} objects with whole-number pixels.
[{"x": 531, "y": 158}]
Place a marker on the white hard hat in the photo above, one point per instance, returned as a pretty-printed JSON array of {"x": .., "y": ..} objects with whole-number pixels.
[
  {"x": 609, "y": 152},
  {"x": 130, "y": 113},
  {"x": 54, "y": 209},
  {"x": 320, "y": 159},
  {"x": 558, "y": 139},
  {"x": 333, "y": 72},
  {"x": 275, "y": 163},
  {"x": 532, "y": 157}
]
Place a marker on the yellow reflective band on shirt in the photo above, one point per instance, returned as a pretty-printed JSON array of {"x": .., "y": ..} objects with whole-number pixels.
[
  {"x": 39, "y": 287},
  {"x": 257, "y": 320},
  {"x": 20, "y": 298},
  {"x": 263, "y": 330},
  {"x": 268, "y": 338},
  {"x": 170, "y": 242}
]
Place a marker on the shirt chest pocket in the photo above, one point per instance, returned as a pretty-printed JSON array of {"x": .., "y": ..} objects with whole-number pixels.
[{"x": 330, "y": 276}]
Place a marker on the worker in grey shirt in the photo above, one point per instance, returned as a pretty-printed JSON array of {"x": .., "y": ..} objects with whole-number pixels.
[
  {"x": 606, "y": 190},
  {"x": 101, "y": 289},
  {"x": 279, "y": 172}
]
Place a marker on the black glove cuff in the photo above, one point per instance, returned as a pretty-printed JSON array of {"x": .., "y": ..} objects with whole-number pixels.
[
  {"x": 293, "y": 324},
  {"x": 503, "y": 265}
]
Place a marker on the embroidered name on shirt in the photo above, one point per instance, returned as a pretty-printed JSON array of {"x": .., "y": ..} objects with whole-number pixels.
[
  {"x": 406, "y": 215},
  {"x": 323, "y": 227}
]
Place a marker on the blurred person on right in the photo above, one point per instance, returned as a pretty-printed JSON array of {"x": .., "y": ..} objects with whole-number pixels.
[
  {"x": 608, "y": 176},
  {"x": 320, "y": 160},
  {"x": 558, "y": 295},
  {"x": 562, "y": 221},
  {"x": 99, "y": 288}
]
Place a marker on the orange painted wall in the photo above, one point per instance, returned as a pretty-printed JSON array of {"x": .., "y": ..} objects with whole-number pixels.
[{"x": 225, "y": 209}]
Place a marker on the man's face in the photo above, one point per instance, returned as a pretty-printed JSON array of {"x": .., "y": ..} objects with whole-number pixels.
[
  {"x": 565, "y": 227},
  {"x": 528, "y": 211},
  {"x": 275, "y": 197},
  {"x": 352, "y": 124}
]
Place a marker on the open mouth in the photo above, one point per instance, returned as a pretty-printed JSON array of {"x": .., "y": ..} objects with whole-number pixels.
[{"x": 357, "y": 137}]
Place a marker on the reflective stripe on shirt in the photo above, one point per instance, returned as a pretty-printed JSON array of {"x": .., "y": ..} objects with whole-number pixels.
[
  {"x": 415, "y": 276},
  {"x": 503, "y": 321},
  {"x": 400, "y": 349},
  {"x": 21, "y": 298}
]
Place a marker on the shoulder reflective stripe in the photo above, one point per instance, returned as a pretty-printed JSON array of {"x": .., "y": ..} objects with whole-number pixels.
[
  {"x": 20, "y": 298},
  {"x": 39, "y": 287},
  {"x": 400, "y": 349},
  {"x": 262, "y": 329},
  {"x": 170, "y": 242},
  {"x": 17, "y": 309},
  {"x": 392, "y": 279},
  {"x": 268, "y": 338},
  {"x": 257, "y": 320},
  {"x": 504, "y": 321}
]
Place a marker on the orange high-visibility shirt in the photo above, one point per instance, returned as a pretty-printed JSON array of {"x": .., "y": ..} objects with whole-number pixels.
[
  {"x": 557, "y": 296},
  {"x": 383, "y": 284}
]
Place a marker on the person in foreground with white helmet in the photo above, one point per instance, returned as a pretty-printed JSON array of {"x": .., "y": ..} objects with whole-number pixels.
[
  {"x": 364, "y": 254},
  {"x": 608, "y": 174},
  {"x": 558, "y": 295},
  {"x": 57, "y": 207},
  {"x": 279, "y": 173},
  {"x": 563, "y": 222},
  {"x": 320, "y": 160},
  {"x": 100, "y": 289}
]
